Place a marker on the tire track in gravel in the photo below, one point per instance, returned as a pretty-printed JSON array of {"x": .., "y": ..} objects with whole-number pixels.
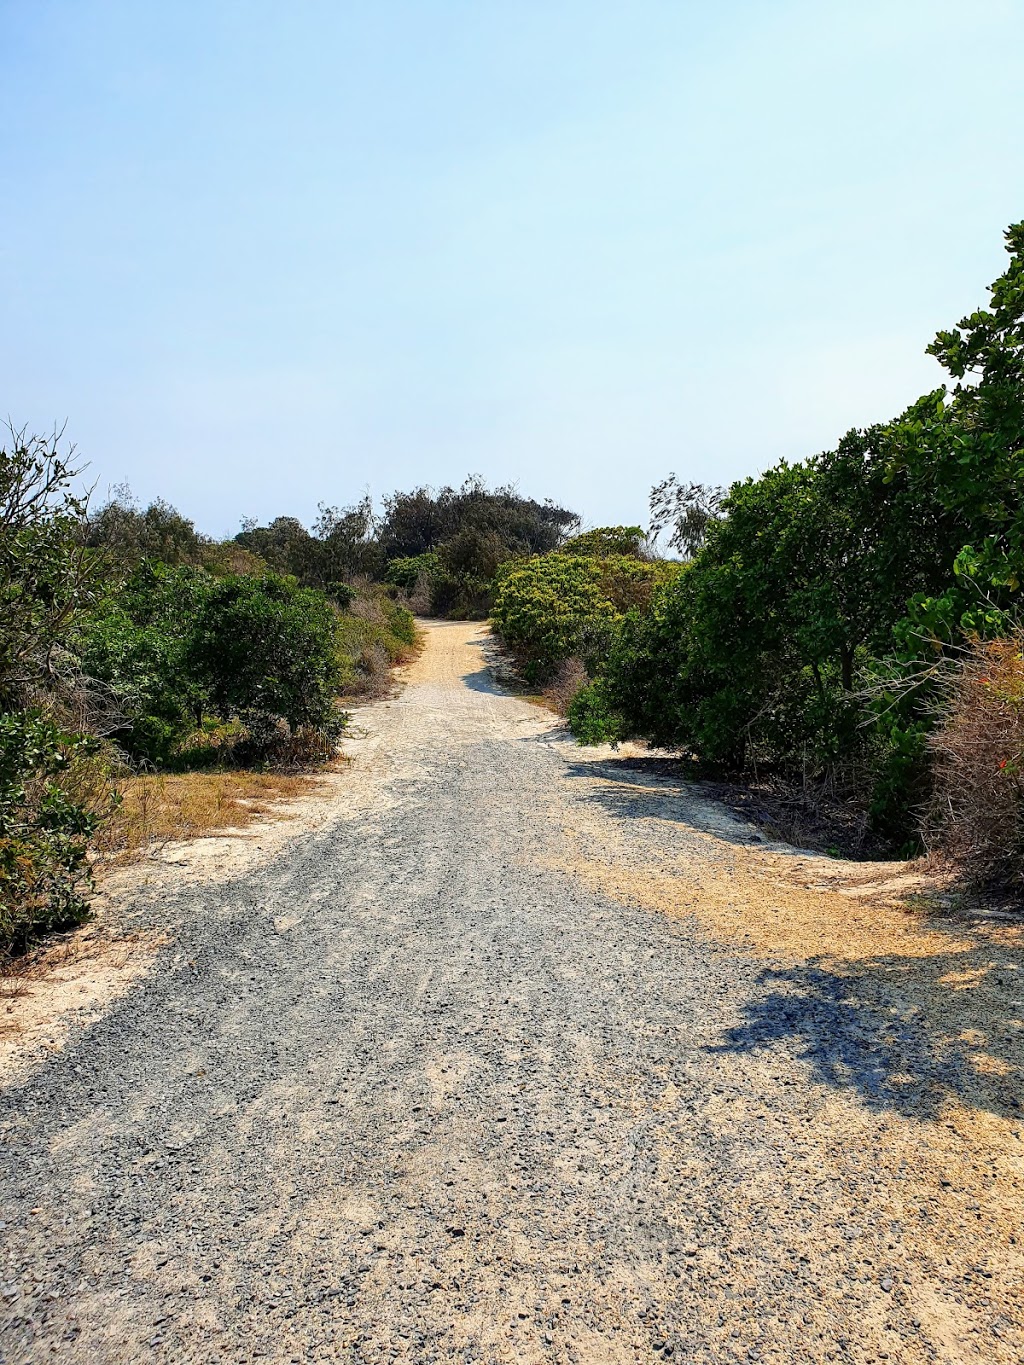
[{"x": 443, "y": 1082}]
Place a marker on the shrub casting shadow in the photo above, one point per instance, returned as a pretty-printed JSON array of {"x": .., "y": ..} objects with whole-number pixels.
[
  {"x": 496, "y": 677},
  {"x": 646, "y": 789},
  {"x": 483, "y": 680},
  {"x": 851, "y": 1026}
]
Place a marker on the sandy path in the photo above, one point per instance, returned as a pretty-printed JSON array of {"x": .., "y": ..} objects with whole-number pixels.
[{"x": 517, "y": 1052}]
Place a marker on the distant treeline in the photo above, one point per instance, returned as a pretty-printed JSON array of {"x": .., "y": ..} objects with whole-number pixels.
[{"x": 448, "y": 543}]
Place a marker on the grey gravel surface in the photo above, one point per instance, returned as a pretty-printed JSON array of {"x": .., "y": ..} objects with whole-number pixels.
[{"x": 411, "y": 1093}]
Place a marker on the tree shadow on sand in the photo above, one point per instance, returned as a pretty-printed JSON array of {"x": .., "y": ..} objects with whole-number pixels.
[
  {"x": 652, "y": 789},
  {"x": 907, "y": 1034},
  {"x": 483, "y": 680}
]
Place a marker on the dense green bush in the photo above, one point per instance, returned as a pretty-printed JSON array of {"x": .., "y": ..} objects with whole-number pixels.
[
  {"x": 560, "y": 605},
  {"x": 177, "y": 645},
  {"x": 263, "y": 646},
  {"x": 139, "y": 644},
  {"x": 405, "y": 573},
  {"x": 44, "y": 830},
  {"x": 592, "y": 718},
  {"x": 549, "y": 608}
]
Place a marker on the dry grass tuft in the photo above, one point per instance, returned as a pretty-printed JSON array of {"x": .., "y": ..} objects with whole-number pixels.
[
  {"x": 977, "y": 817},
  {"x": 570, "y": 677},
  {"x": 156, "y": 808}
]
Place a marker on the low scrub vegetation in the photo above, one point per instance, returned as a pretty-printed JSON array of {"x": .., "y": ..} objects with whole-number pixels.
[
  {"x": 133, "y": 648},
  {"x": 375, "y": 634}
]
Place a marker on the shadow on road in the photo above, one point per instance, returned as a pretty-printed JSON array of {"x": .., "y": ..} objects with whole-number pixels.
[
  {"x": 483, "y": 681},
  {"x": 651, "y": 789},
  {"x": 906, "y": 1034}
]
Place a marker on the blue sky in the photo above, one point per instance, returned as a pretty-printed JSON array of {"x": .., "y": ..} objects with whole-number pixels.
[{"x": 262, "y": 255}]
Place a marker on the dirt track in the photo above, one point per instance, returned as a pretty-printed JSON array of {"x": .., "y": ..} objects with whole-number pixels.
[{"x": 518, "y": 1052}]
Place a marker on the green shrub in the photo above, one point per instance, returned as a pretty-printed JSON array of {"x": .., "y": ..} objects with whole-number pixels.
[
  {"x": 551, "y": 607},
  {"x": 401, "y": 623},
  {"x": 341, "y": 594},
  {"x": 139, "y": 644},
  {"x": 177, "y": 646},
  {"x": 44, "y": 830},
  {"x": 406, "y": 572},
  {"x": 265, "y": 647},
  {"x": 591, "y": 718},
  {"x": 554, "y": 606}
]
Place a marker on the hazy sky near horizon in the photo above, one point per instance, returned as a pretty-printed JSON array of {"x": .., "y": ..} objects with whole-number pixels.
[{"x": 260, "y": 256}]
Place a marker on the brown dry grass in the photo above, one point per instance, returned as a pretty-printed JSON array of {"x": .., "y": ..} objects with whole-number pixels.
[
  {"x": 157, "y": 808},
  {"x": 977, "y": 818},
  {"x": 570, "y": 676}
]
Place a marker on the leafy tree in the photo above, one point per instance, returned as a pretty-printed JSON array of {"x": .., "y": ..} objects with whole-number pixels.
[
  {"x": 472, "y": 531},
  {"x": 965, "y": 452},
  {"x": 415, "y": 523},
  {"x": 341, "y": 545},
  {"x": 285, "y": 545},
  {"x": 755, "y": 650},
  {"x": 129, "y": 534},
  {"x": 48, "y": 577},
  {"x": 264, "y": 647},
  {"x": 139, "y": 645},
  {"x": 423, "y": 520},
  {"x": 344, "y": 545},
  {"x": 686, "y": 511},
  {"x": 132, "y": 533},
  {"x": 610, "y": 540}
]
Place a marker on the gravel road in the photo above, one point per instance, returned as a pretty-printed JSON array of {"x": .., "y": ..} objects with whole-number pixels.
[{"x": 440, "y": 1081}]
